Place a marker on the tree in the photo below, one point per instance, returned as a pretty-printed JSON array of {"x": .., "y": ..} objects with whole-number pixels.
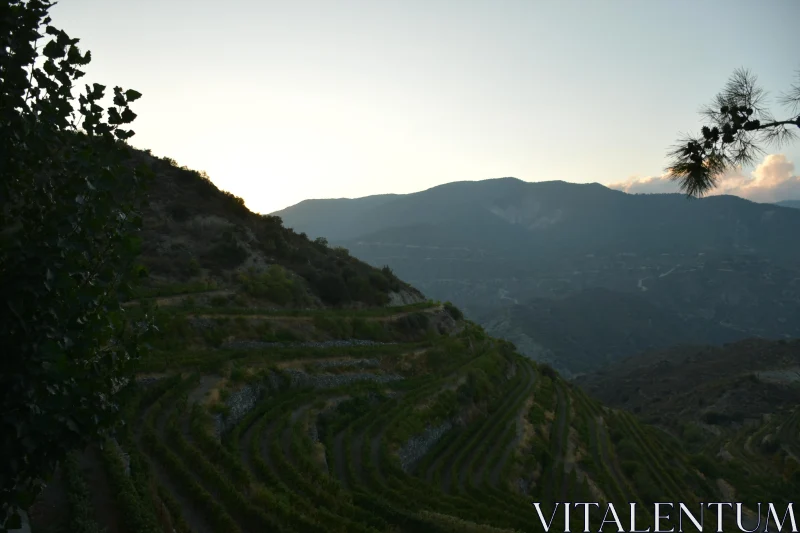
[
  {"x": 69, "y": 193},
  {"x": 738, "y": 124}
]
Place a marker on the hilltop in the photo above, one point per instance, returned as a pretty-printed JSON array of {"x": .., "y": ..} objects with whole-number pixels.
[
  {"x": 789, "y": 203},
  {"x": 291, "y": 387},
  {"x": 196, "y": 235},
  {"x": 511, "y": 254}
]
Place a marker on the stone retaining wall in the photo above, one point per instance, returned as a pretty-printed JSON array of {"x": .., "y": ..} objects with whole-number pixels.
[{"x": 416, "y": 447}]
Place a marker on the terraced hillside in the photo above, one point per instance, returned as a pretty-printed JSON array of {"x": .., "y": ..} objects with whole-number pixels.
[
  {"x": 736, "y": 404},
  {"x": 297, "y": 389},
  {"x": 406, "y": 419}
]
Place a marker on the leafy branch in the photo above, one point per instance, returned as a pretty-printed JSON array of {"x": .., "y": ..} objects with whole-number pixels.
[
  {"x": 69, "y": 212},
  {"x": 738, "y": 124}
]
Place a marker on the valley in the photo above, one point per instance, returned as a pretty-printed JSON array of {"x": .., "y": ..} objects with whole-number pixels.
[{"x": 534, "y": 262}]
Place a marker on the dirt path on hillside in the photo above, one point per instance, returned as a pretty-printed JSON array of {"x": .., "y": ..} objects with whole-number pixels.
[
  {"x": 305, "y": 318},
  {"x": 244, "y": 445},
  {"x": 609, "y": 461},
  {"x": 106, "y": 512},
  {"x": 265, "y": 445},
  {"x": 494, "y": 478},
  {"x": 339, "y": 465},
  {"x": 519, "y": 391},
  {"x": 179, "y": 298},
  {"x": 375, "y": 454},
  {"x": 193, "y": 519},
  {"x": 286, "y": 436},
  {"x": 556, "y": 471},
  {"x": 356, "y": 454}
]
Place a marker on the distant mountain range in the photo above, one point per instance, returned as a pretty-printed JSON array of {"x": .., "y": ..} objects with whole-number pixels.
[
  {"x": 790, "y": 203},
  {"x": 528, "y": 261}
]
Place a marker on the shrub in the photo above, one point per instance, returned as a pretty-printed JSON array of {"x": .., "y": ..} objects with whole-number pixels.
[
  {"x": 237, "y": 374},
  {"x": 368, "y": 330},
  {"x": 536, "y": 415},
  {"x": 705, "y": 466},
  {"x": 332, "y": 289},
  {"x": 379, "y": 281},
  {"x": 227, "y": 254},
  {"x": 453, "y": 311},
  {"x": 214, "y": 336},
  {"x": 178, "y": 212},
  {"x": 273, "y": 284},
  {"x": 337, "y": 327},
  {"x": 548, "y": 371}
]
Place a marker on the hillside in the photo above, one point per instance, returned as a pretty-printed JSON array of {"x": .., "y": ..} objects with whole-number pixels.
[
  {"x": 789, "y": 203},
  {"x": 198, "y": 236},
  {"x": 704, "y": 265},
  {"x": 271, "y": 402},
  {"x": 589, "y": 329},
  {"x": 738, "y": 402}
]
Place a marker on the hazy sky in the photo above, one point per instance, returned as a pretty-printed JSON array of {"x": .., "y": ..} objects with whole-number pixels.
[{"x": 283, "y": 101}]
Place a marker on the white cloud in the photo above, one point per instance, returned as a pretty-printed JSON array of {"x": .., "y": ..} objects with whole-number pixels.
[{"x": 773, "y": 180}]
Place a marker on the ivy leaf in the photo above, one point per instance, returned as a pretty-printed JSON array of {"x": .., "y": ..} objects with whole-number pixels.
[
  {"x": 50, "y": 67},
  {"x": 128, "y": 116},
  {"x": 98, "y": 89},
  {"x": 132, "y": 95},
  {"x": 53, "y": 51},
  {"x": 119, "y": 100},
  {"x": 74, "y": 56},
  {"x": 113, "y": 116},
  {"x": 124, "y": 134},
  {"x": 63, "y": 39}
]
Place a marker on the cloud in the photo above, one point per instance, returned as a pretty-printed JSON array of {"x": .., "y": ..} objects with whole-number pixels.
[{"x": 773, "y": 180}]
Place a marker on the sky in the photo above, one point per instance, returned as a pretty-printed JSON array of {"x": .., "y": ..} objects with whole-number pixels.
[{"x": 281, "y": 101}]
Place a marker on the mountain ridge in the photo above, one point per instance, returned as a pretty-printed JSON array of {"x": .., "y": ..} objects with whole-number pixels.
[{"x": 720, "y": 261}]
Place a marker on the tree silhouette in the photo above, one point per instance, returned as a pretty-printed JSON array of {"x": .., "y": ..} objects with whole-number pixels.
[
  {"x": 69, "y": 194},
  {"x": 737, "y": 124}
]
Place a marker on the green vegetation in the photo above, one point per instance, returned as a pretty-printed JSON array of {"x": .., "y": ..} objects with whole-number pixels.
[
  {"x": 69, "y": 213},
  {"x": 302, "y": 439},
  {"x": 274, "y": 285},
  {"x": 284, "y": 397}
]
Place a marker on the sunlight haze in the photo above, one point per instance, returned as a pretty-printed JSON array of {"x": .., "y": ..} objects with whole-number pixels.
[{"x": 284, "y": 101}]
